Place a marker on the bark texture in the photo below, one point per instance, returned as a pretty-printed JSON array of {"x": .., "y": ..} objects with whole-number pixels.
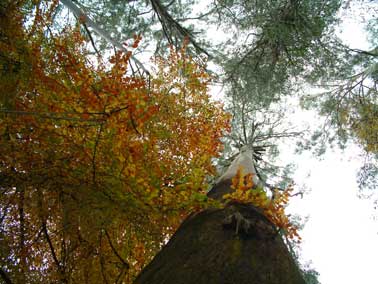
[{"x": 234, "y": 245}]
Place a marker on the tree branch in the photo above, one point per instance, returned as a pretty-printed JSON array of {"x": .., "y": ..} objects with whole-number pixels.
[
  {"x": 168, "y": 24},
  {"x": 55, "y": 258},
  {"x": 91, "y": 39},
  {"x": 84, "y": 19},
  {"x": 53, "y": 115},
  {"x": 102, "y": 262},
  {"x": 373, "y": 52},
  {"x": 115, "y": 251},
  {"x": 99, "y": 131}
]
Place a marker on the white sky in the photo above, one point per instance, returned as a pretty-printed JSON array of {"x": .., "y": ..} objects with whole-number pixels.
[{"x": 341, "y": 236}]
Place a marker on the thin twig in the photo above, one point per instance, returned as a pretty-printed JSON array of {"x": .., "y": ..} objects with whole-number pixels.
[{"x": 56, "y": 260}]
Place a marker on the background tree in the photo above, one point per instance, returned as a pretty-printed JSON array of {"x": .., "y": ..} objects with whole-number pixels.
[
  {"x": 277, "y": 47},
  {"x": 98, "y": 166}
]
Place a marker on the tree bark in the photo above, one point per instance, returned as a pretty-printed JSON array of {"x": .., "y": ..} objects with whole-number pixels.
[{"x": 233, "y": 245}]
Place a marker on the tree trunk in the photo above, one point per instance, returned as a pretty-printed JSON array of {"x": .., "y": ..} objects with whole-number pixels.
[
  {"x": 233, "y": 245},
  {"x": 236, "y": 244}
]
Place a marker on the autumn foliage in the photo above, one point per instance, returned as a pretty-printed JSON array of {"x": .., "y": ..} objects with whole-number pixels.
[
  {"x": 98, "y": 165},
  {"x": 273, "y": 208}
]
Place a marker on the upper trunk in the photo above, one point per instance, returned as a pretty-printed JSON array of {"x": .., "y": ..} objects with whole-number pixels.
[{"x": 243, "y": 161}]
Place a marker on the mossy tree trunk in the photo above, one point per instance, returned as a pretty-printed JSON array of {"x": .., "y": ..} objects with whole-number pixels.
[{"x": 233, "y": 245}]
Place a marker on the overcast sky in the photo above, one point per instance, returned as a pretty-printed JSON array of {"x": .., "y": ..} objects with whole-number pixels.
[{"x": 340, "y": 237}]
